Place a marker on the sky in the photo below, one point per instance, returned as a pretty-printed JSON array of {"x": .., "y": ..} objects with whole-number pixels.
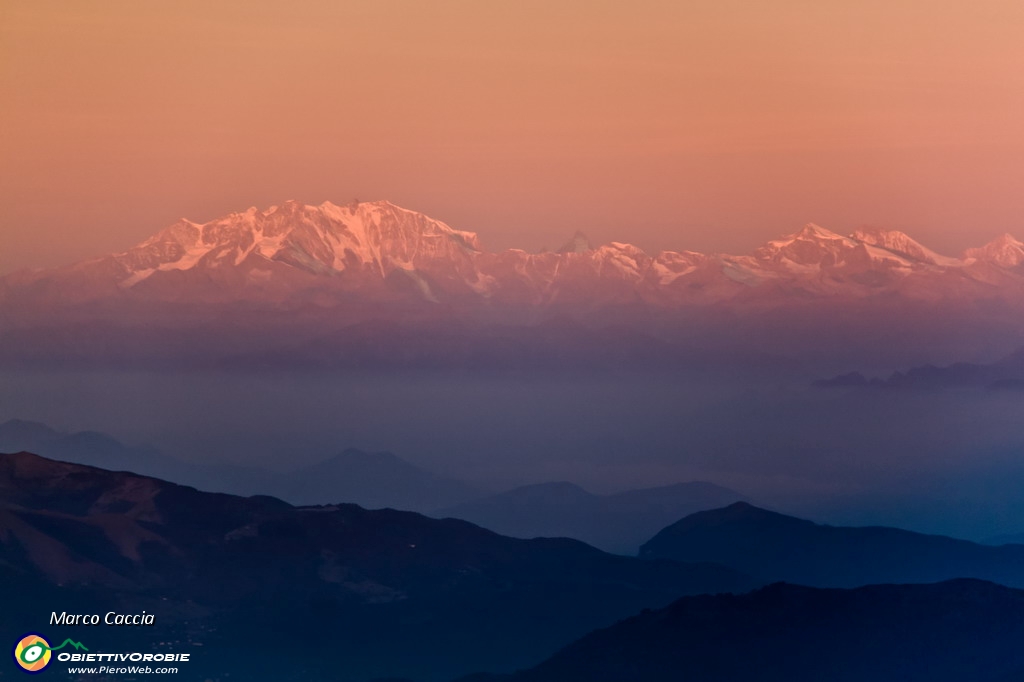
[{"x": 712, "y": 125}]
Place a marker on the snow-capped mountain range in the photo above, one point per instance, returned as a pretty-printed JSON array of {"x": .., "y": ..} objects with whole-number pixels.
[
  {"x": 372, "y": 284},
  {"x": 376, "y": 251}
]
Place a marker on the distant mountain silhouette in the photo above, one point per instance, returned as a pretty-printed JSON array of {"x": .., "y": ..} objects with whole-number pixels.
[
  {"x": 86, "y": 447},
  {"x": 362, "y": 593},
  {"x": 374, "y": 480},
  {"x": 1005, "y": 374},
  {"x": 947, "y": 632},
  {"x": 616, "y": 523},
  {"x": 776, "y": 547}
]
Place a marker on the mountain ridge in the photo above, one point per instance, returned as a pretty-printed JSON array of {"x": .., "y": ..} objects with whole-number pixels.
[
  {"x": 370, "y": 479},
  {"x": 389, "y": 593},
  {"x": 778, "y": 547},
  {"x": 374, "y": 285},
  {"x": 617, "y": 522},
  {"x": 384, "y": 249},
  {"x": 1007, "y": 373}
]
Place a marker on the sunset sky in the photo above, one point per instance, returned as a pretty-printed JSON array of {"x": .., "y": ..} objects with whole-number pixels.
[{"x": 711, "y": 124}]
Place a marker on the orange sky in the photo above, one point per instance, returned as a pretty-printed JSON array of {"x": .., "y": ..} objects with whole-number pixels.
[{"x": 710, "y": 124}]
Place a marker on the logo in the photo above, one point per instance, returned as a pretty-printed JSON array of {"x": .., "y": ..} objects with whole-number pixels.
[{"x": 32, "y": 653}]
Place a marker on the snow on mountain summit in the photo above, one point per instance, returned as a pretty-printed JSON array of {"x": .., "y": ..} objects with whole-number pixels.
[
  {"x": 1005, "y": 251},
  {"x": 811, "y": 246},
  {"x": 901, "y": 243},
  {"x": 318, "y": 239},
  {"x": 377, "y": 252}
]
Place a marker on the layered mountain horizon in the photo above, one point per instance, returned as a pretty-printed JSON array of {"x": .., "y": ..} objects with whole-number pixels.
[
  {"x": 401, "y": 596},
  {"x": 392, "y": 594},
  {"x": 777, "y": 547}
]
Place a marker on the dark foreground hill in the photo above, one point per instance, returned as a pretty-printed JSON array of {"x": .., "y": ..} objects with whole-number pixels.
[
  {"x": 947, "y": 632},
  {"x": 776, "y": 547},
  {"x": 260, "y": 589}
]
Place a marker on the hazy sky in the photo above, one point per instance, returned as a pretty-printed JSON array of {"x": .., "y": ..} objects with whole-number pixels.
[{"x": 709, "y": 124}]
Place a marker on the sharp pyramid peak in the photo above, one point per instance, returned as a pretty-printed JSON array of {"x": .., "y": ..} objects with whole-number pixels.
[
  {"x": 1007, "y": 239},
  {"x": 579, "y": 243},
  {"x": 1004, "y": 241},
  {"x": 811, "y": 232}
]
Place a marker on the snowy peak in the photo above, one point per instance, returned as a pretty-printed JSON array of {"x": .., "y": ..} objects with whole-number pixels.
[
  {"x": 318, "y": 239},
  {"x": 901, "y": 244},
  {"x": 816, "y": 247},
  {"x": 169, "y": 245},
  {"x": 813, "y": 232},
  {"x": 811, "y": 246},
  {"x": 377, "y": 253},
  {"x": 1005, "y": 251},
  {"x": 809, "y": 234},
  {"x": 669, "y": 266}
]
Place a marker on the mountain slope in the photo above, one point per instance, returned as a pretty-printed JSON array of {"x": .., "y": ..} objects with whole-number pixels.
[
  {"x": 616, "y": 523},
  {"x": 389, "y": 593},
  {"x": 947, "y": 632},
  {"x": 774, "y": 547}
]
